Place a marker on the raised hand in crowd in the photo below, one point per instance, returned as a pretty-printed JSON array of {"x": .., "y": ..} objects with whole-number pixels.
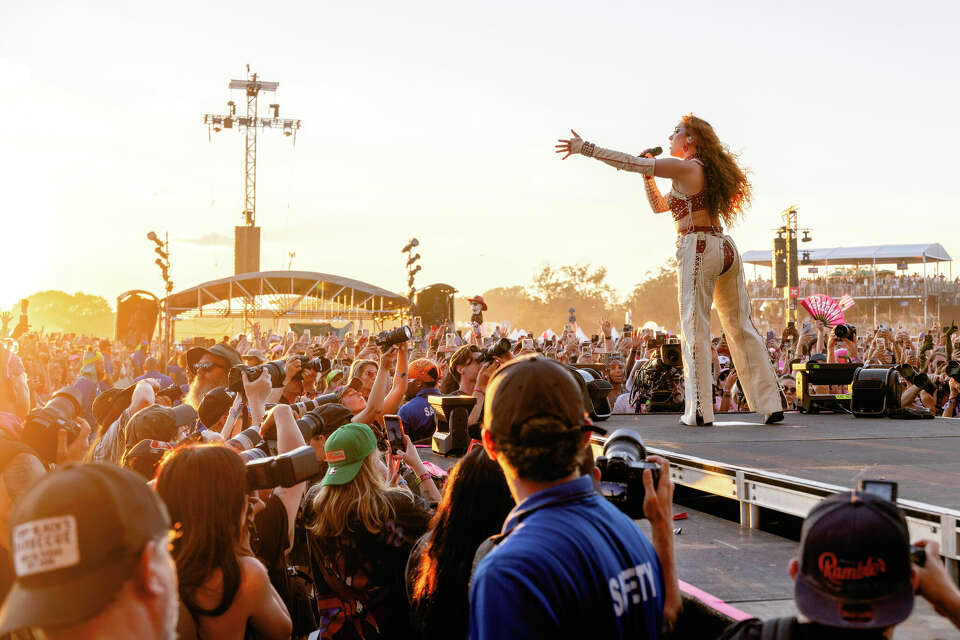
[
  {"x": 935, "y": 584},
  {"x": 411, "y": 456},
  {"x": 658, "y": 508},
  {"x": 76, "y": 450}
]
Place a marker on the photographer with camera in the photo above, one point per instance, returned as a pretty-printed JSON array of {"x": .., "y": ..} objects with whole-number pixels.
[
  {"x": 417, "y": 414},
  {"x": 53, "y": 435},
  {"x": 224, "y": 590},
  {"x": 468, "y": 375},
  {"x": 568, "y": 562},
  {"x": 856, "y": 575},
  {"x": 268, "y": 528},
  {"x": 210, "y": 368},
  {"x": 361, "y": 530}
]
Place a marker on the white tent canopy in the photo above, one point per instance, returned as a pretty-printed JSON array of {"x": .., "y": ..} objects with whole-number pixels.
[{"x": 873, "y": 254}]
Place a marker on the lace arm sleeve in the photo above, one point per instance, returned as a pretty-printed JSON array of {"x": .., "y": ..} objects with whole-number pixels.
[
  {"x": 657, "y": 202},
  {"x": 618, "y": 159}
]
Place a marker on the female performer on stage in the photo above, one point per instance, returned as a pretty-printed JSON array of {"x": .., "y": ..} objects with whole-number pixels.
[{"x": 708, "y": 188}]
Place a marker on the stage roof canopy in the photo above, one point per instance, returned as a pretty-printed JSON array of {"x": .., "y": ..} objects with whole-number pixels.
[
  {"x": 286, "y": 294},
  {"x": 879, "y": 254}
]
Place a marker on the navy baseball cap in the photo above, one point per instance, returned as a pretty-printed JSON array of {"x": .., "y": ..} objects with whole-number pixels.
[{"x": 855, "y": 563}]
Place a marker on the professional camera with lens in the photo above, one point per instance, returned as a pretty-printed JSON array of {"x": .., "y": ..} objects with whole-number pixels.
[
  {"x": 498, "y": 349},
  {"x": 845, "y": 332},
  {"x": 953, "y": 370},
  {"x": 914, "y": 377},
  {"x": 309, "y": 423},
  {"x": 658, "y": 383},
  {"x": 275, "y": 369},
  {"x": 621, "y": 467},
  {"x": 41, "y": 426},
  {"x": 284, "y": 470},
  {"x": 393, "y": 336},
  {"x": 309, "y": 364}
]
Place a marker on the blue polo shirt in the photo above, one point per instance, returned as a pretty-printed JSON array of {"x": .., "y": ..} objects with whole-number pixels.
[
  {"x": 573, "y": 566},
  {"x": 417, "y": 415}
]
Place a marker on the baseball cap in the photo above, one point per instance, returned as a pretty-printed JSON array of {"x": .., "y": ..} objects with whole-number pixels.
[
  {"x": 255, "y": 354},
  {"x": 157, "y": 422},
  {"x": 214, "y": 405},
  {"x": 334, "y": 415},
  {"x": 855, "y": 563},
  {"x": 533, "y": 386},
  {"x": 221, "y": 350},
  {"x": 76, "y": 537},
  {"x": 108, "y": 406},
  {"x": 345, "y": 450},
  {"x": 332, "y": 375},
  {"x": 424, "y": 370}
]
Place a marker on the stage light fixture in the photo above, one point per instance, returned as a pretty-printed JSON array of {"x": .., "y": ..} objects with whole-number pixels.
[
  {"x": 413, "y": 259},
  {"x": 287, "y": 131},
  {"x": 806, "y": 236},
  {"x": 415, "y": 270},
  {"x": 160, "y": 252},
  {"x": 276, "y": 110},
  {"x": 152, "y": 237},
  {"x": 159, "y": 263}
]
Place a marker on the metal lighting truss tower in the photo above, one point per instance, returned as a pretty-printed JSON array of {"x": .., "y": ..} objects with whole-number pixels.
[{"x": 247, "y": 237}]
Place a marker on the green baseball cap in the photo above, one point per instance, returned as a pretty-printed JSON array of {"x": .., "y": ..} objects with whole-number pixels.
[{"x": 345, "y": 451}]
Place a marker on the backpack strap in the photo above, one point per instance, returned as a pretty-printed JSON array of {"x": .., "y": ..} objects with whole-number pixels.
[{"x": 778, "y": 628}]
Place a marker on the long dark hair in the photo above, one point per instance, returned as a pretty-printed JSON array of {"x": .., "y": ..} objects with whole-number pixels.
[
  {"x": 476, "y": 500},
  {"x": 204, "y": 487}
]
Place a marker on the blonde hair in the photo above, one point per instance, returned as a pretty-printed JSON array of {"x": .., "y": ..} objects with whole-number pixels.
[
  {"x": 357, "y": 367},
  {"x": 367, "y": 498},
  {"x": 727, "y": 189}
]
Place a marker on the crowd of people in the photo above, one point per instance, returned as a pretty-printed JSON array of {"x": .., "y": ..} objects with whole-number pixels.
[
  {"x": 252, "y": 487},
  {"x": 863, "y": 286}
]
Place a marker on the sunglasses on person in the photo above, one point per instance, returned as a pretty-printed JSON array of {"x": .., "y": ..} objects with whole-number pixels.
[{"x": 207, "y": 366}]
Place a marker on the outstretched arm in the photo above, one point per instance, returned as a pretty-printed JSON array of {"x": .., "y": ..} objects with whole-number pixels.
[{"x": 648, "y": 166}]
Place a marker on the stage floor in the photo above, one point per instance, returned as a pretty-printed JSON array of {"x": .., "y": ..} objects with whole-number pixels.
[{"x": 923, "y": 456}]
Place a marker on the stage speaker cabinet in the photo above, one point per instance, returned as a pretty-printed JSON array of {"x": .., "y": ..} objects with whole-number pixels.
[
  {"x": 779, "y": 263},
  {"x": 137, "y": 314},
  {"x": 434, "y": 305},
  {"x": 875, "y": 392},
  {"x": 452, "y": 436},
  {"x": 810, "y": 374},
  {"x": 246, "y": 250}
]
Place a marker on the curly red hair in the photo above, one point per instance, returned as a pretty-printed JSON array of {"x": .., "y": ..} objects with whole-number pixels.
[{"x": 726, "y": 184}]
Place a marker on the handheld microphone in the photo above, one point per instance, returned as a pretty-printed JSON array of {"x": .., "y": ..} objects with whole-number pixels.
[{"x": 654, "y": 151}]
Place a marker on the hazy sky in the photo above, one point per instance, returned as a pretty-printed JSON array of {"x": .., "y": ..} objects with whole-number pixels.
[{"x": 438, "y": 119}]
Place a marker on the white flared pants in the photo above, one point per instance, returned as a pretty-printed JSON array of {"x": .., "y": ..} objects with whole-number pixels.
[{"x": 700, "y": 283}]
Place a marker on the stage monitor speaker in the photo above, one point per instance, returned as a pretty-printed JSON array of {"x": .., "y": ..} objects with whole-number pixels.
[
  {"x": 821, "y": 373},
  {"x": 246, "y": 250},
  {"x": 434, "y": 305},
  {"x": 874, "y": 392},
  {"x": 452, "y": 436},
  {"x": 137, "y": 314}
]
